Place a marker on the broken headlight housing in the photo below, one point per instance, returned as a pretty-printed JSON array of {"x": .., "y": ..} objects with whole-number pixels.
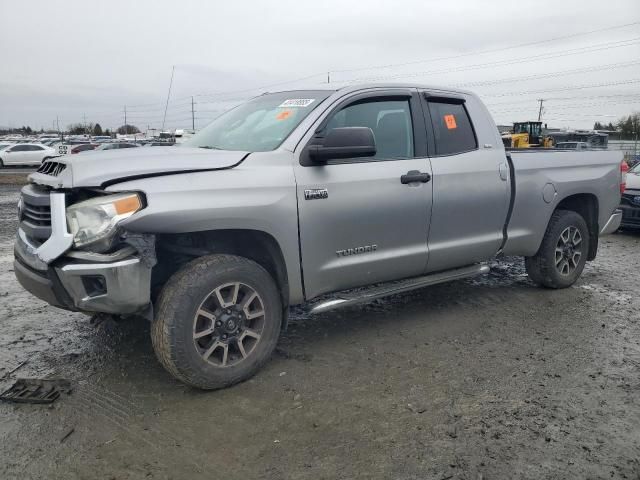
[{"x": 94, "y": 222}]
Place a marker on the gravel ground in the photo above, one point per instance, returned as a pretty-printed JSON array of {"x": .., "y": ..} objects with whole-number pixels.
[{"x": 486, "y": 378}]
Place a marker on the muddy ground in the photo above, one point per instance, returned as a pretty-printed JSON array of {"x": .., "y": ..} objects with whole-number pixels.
[{"x": 487, "y": 378}]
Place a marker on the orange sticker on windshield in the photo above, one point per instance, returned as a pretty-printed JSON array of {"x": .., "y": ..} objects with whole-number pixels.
[
  {"x": 283, "y": 115},
  {"x": 450, "y": 120}
]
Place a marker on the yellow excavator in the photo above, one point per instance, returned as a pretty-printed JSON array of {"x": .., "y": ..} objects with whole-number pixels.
[{"x": 527, "y": 135}]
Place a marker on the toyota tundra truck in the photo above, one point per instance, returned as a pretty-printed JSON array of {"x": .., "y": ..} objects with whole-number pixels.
[{"x": 321, "y": 198}]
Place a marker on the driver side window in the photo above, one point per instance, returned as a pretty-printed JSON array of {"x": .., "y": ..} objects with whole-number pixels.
[{"x": 390, "y": 121}]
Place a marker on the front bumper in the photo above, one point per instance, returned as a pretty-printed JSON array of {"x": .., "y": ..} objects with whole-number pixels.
[
  {"x": 630, "y": 216},
  {"x": 109, "y": 283},
  {"x": 612, "y": 224}
]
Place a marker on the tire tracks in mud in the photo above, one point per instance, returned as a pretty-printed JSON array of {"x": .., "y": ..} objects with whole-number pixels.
[{"x": 124, "y": 418}]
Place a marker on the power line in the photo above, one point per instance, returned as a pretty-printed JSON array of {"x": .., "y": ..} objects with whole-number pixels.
[
  {"x": 494, "y": 50},
  {"x": 589, "y": 69},
  {"x": 506, "y": 62},
  {"x": 563, "y": 89}
]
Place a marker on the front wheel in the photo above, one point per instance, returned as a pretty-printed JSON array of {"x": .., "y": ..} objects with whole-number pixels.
[
  {"x": 563, "y": 253},
  {"x": 217, "y": 322}
]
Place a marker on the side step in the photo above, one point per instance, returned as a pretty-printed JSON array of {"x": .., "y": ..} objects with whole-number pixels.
[{"x": 347, "y": 299}]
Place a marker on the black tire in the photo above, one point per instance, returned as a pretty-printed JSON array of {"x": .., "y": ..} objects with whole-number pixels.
[
  {"x": 173, "y": 330},
  {"x": 552, "y": 269},
  {"x": 1, "y": 163}
]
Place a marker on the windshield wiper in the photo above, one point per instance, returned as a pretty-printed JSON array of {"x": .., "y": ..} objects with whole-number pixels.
[{"x": 209, "y": 147}]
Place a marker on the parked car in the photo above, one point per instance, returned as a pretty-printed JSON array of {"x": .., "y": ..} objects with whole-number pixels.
[
  {"x": 83, "y": 148},
  {"x": 66, "y": 147},
  {"x": 26, "y": 154},
  {"x": 158, "y": 144},
  {"x": 116, "y": 145},
  {"x": 630, "y": 203},
  {"x": 572, "y": 145},
  {"x": 380, "y": 189}
]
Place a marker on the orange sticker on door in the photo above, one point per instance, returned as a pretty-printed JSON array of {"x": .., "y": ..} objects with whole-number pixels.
[
  {"x": 283, "y": 115},
  {"x": 450, "y": 120}
]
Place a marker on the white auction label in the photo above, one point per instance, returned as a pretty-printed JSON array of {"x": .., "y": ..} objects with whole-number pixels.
[{"x": 297, "y": 102}]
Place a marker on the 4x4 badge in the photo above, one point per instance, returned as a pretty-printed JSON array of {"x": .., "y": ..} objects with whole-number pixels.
[{"x": 316, "y": 194}]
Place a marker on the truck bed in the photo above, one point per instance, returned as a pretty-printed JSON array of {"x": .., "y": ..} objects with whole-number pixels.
[{"x": 543, "y": 178}]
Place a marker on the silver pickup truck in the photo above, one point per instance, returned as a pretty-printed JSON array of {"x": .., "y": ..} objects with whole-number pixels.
[{"x": 297, "y": 198}]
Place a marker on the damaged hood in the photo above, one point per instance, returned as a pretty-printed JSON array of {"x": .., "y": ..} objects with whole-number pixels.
[{"x": 97, "y": 169}]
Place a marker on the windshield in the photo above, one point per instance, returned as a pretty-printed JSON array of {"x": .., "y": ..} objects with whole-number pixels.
[{"x": 261, "y": 124}]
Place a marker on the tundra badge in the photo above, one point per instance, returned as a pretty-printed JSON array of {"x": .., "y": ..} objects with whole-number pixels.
[
  {"x": 316, "y": 194},
  {"x": 356, "y": 250}
]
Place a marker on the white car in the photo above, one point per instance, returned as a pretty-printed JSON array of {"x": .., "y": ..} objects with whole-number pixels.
[{"x": 25, "y": 154}]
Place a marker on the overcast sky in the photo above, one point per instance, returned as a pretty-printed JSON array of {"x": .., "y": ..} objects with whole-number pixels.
[{"x": 85, "y": 59}]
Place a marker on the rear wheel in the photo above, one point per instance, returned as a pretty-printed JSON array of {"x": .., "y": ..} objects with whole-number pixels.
[
  {"x": 563, "y": 253},
  {"x": 217, "y": 322},
  {"x": 1, "y": 163}
]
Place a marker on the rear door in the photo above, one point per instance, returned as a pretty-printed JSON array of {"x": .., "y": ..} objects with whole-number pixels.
[
  {"x": 34, "y": 155},
  {"x": 359, "y": 224},
  {"x": 470, "y": 181}
]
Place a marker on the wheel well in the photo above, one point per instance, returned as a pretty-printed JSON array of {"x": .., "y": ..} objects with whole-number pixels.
[
  {"x": 175, "y": 250},
  {"x": 586, "y": 205}
]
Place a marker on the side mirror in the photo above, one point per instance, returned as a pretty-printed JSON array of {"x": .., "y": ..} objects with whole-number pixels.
[{"x": 344, "y": 142}]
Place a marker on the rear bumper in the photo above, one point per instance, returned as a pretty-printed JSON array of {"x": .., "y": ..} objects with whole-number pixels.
[
  {"x": 121, "y": 286},
  {"x": 612, "y": 224}
]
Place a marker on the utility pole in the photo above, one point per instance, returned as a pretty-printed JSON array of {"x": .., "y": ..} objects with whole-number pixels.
[
  {"x": 193, "y": 118},
  {"x": 173, "y": 68},
  {"x": 58, "y": 124},
  {"x": 541, "y": 100},
  {"x": 84, "y": 119},
  {"x": 125, "y": 120},
  {"x": 328, "y": 77}
]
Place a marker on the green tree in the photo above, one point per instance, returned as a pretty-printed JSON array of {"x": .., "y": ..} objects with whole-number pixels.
[
  {"x": 128, "y": 129},
  {"x": 629, "y": 127},
  {"x": 76, "y": 129},
  {"x": 97, "y": 129}
]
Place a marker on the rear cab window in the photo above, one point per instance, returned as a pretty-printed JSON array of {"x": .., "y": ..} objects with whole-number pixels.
[{"x": 451, "y": 125}]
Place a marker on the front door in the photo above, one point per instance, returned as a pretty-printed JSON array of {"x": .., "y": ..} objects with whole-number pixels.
[
  {"x": 15, "y": 155},
  {"x": 359, "y": 224}
]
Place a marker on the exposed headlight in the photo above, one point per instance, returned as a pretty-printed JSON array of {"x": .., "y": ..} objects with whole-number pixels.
[{"x": 96, "y": 219}]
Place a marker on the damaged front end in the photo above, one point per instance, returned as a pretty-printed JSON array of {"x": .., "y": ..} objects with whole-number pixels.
[{"x": 71, "y": 252}]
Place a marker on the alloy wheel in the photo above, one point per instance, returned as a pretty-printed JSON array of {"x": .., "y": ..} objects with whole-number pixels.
[{"x": 228, "y": 324}]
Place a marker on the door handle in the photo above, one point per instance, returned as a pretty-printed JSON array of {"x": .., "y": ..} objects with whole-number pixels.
[{"x": 414, "y": 176}]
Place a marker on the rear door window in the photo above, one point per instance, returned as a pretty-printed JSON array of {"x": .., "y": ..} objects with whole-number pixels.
[{"x": 452, "y": 128}]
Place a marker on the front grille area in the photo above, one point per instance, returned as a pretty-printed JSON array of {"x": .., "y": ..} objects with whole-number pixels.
[
  {"x": 35, "y": 213},
  {"x": 51, "y": 168},
  {"x": 628, "y": 199},
  {"x": 630, "y": 215},
  {"x": 630, "y": 208}
]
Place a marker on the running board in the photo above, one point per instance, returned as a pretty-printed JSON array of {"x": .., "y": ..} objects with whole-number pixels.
[{"x": 347, "y": 299}]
